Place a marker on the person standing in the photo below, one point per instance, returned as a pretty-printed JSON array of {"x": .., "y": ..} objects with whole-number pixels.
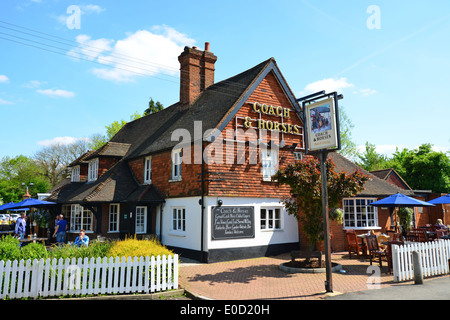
[
  {"x": 60, "y": 230},
  {"x": 20, "y": 229}
]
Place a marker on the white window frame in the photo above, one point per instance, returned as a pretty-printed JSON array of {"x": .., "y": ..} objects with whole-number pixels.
[
  {"x": 359, "y": 215},
  {"x": 269, "y": 162},
  {"x": 176, "y": 164},
  {"x": 75, "y": 174},
  {"x": 148, "y": 170},
  {"x": 142, "y": 225},
  {"x": 93, "y": 170},
  {"x": 114, "y": 215},
  {"x": 81, "y": 218},
  {"x": 268, "y": 219},
  {"x": 178, "y": 219}
]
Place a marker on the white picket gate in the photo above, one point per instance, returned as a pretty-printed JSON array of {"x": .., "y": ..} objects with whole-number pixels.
[
  {"x": 434, "y": 259},
  {"x": 47, "y": 278}
]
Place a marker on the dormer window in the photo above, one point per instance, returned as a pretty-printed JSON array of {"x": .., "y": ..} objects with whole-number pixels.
[
  {"x": 148, "y": 170},
  {"x": 93, "y": 170},
  {"x": 75, "y": 175}
]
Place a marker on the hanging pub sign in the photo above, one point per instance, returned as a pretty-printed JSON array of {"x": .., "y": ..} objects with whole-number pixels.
[{"x": 322, "y": 124}]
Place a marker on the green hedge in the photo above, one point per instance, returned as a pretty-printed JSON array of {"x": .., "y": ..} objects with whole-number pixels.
[{"x": 9, "y": 250}]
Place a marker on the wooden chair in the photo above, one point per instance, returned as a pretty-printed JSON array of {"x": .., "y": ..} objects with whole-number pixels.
[
  {"x": 374, "y": 249},
  {"x": 353, "y": 244},
  {"x": 412, "y": 235},
  {"x": 423, "y": 236},
  {"x": 389, "y": 252},
  {"x": 382, "y": 238},
  {"x": 440, "y": 233}
]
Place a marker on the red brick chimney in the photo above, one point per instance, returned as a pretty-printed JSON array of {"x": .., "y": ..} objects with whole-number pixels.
[{"x": 196, "y": 73}]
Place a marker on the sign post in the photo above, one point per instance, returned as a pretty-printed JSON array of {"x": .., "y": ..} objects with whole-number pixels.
[{"x": 322, "y": 135}]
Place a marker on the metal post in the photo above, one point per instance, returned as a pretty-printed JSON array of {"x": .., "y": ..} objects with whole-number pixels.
[{"x": 326, "y": 232}]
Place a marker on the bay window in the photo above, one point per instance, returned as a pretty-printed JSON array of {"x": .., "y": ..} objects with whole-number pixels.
[{"x": 358, "y": 213}]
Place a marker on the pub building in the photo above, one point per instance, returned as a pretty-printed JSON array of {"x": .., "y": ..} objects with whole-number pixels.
[{"x": 198, "y": 173}]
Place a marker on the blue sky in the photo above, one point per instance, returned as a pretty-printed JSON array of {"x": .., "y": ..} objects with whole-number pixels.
[{"x": 390, "y": 60}]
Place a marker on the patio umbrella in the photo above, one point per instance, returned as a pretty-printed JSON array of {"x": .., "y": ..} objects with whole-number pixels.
[
  {"x": 399, "y": 200},
  {"x": 6, "y": 206},
  {"x": 441, "y": 200},
  {"x": 31, "y": 203}
]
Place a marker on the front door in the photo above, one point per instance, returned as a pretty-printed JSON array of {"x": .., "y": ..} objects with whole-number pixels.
[{"x": 141, "y": 220}]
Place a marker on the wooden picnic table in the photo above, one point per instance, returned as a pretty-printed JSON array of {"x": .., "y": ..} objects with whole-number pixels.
[{"x": 27, "y": 240}]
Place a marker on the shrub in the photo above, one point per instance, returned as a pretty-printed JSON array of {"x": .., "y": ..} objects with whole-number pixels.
[
  {"x": 33, "y": 251},
  {"x": 132, "y": 247},
  {"x": 94, "y": 250},
  {"x": 9, "y": 248}
]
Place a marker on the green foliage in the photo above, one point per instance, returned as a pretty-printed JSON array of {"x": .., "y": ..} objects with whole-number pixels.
[
  {"x": 406, "y": 217},
  {"x": 423, "y": 168},
  {"x": 348, "y": 147},
  {"x": 18, "y": 170},
  {"x": 9, "y": 248},
  {"x": 305, "y": 203},
  {"x": 33, "y": 251},
  {"x": 94, "y": 250},
  {"x": 153, "y": 107},
  {"x": 98, "y": 140},
  {"x": 132, "y": 247},
  {"x": 370, "y": 160}
]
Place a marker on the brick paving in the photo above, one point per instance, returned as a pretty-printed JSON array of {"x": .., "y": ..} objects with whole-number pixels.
[{"x": 261, "y": 278}]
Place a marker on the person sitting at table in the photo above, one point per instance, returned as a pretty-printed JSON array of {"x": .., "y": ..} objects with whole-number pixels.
[
  {"x": 82, "y": 239},
  {"x": 440, "y": 225}
]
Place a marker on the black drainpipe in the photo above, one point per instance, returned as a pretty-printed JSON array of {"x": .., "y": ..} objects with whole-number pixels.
[{"x": 202, "y": 256}]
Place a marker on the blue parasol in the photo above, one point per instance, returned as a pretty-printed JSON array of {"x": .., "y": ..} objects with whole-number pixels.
[
  {"x": 31, "y": 203},
  {"x": 441, "y": 200},
  {"x": 399, "y": 200}
]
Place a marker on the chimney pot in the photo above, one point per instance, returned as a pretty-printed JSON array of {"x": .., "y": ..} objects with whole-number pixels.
[{"x": 196, "y": 73}]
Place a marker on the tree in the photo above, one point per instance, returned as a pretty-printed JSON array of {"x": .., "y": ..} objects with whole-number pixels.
[
  {"x": 98, "y": 140},
  {"x": 18, "y": 170},
  {"x": 423, "y": 168},
  {"x": 371, "y": 160},
  {"x": 305, "y": 201},
  {"x": 348, "y": 147},
  {"x": 153, "y": 107},
  {"x": 53, "y": 160}
]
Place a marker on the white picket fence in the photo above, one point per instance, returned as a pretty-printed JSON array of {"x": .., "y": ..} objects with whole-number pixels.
[
  {"x": 48, "y": 278},
  {"x": 434, "y": 257}
]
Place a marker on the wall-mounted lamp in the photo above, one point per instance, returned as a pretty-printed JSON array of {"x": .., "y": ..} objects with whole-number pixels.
[{"x": 219, "y": 203}]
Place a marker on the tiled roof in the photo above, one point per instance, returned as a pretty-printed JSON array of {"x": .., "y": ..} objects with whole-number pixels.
[{"x": 375, "y": 187}]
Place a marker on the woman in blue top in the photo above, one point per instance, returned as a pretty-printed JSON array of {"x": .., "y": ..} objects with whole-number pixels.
[{"x": 82, "y": 239}]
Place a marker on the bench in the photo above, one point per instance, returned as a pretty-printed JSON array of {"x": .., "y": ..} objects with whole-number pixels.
[{"x": 296, "y": 254}]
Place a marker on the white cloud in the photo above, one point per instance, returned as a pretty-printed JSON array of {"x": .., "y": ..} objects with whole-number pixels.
[
  {"x": 91, "y": 8},
  {"x": 3, "y": 78},
  {"x": 56, "y": 93},
  {"x": 32, "y": 84},
  {"x": 5, "y": 102},
  {"x": 90, "y": 49},
  {"x": 365, "y": 92},
  {"x": 60, "y": 140},
  {"x": 329, "y": 85},
  {"x": 142, "y": 53}
]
